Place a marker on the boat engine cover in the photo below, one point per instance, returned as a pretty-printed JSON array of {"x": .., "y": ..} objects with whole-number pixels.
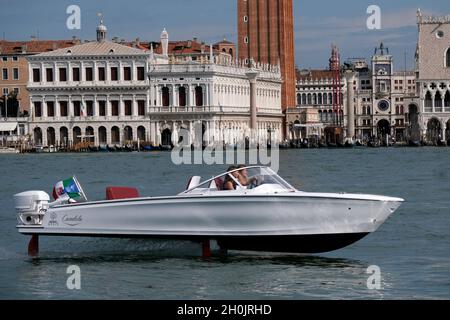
[{"x": 31, "y": 206}]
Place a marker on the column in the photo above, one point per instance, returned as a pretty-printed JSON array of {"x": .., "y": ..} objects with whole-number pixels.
[
  {"x": 191, "y": 96},
  {"x": 191, "y": 131},
  {"x": 42, "y": 73},
  {"x": 214, "y": 133},
  {"x": 147, "y": 103},
  {"x": 173, "y": 96},
  {"x": 133, "y": 71},
  {"x": 152, "y": 132},
  {"x": 94, "y": 72},
  {"x": 69, "y": 72},
  {"x": 55, "y": 73},
  {"x": 108, "y": 107},
  {"x": 252, "y": 76},
  {"x": 44, "y": 108},
  {"x": 121, "y": 107},
  {"x": 82, "y": 73},
  {"x": 95, "y": 107},
  {"x": 44, "y": 136},
  {"x": 69, "y": 136},
  {"x": 120, "y": 71},
  {"x": 56, "y": 108},
  {"x": 206, "y": 100},
  {"x": 158, "y": 134},
  {"x": 350, "y": 107},
  {"x": 433, "y": 97},
  {"x": 134, "y": 111},
  {"x": 158, "y": 95},
  {"x": 108, "y": 129},
  {"x": 57, "y": 136},
  {"x": 107, "y": 73}
]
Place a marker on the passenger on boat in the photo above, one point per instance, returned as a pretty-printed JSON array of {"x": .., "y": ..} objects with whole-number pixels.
[
  {"x": 243, "y": 175},
  {"x": 229, "y": 183}
]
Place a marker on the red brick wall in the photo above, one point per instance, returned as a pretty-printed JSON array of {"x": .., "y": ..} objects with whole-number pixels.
[{"x": 270, "y": 30}]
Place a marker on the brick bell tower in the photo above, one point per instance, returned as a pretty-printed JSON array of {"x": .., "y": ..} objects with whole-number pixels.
[{"x": 266, "y": 35}]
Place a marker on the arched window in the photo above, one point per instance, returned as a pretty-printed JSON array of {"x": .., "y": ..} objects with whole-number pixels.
[
  {"x": 299, "y": 99},
  {"x": 230, "y": 52},
  {"x": 428, "y": 102},
  {"x": 304, "y": 98},
  {"x": 319, "y": 98},
  {"x": 447, "y": 101},
  {"x": 115, "y": 135},
  {"x": 102, "y": 135},
  {"x": 165, "y": 97},
  {"x": 447, "y": 58},
  {"x": 438, "y": 101},
  {"x": 182, "y": 96},
  {"x": 199, "y": 96},
  {"x": 309, "y": 99}
]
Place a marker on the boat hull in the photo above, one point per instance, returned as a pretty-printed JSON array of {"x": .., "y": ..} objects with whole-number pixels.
[{"x": 294, "y": 222}]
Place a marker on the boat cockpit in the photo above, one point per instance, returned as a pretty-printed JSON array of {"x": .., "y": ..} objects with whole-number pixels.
[{"x": 255, "y": 179}]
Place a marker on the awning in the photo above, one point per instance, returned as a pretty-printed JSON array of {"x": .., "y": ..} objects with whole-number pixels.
[{"x": 8, "y": 126}]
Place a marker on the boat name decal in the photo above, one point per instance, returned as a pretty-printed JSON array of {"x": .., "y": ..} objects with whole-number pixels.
[{"x": 72, "y": 221}]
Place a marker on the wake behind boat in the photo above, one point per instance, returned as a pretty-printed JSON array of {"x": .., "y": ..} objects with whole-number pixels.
[{"x": 267, "y": 214}]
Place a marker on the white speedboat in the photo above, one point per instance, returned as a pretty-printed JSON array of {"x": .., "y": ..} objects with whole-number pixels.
[{"x": 266, "y": 215}]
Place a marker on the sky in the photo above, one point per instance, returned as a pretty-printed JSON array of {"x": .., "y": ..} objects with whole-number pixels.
[{"x": 318, "y": 24}]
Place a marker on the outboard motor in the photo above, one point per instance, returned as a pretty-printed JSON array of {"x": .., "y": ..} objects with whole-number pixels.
[{"x": 31, "y": 207}]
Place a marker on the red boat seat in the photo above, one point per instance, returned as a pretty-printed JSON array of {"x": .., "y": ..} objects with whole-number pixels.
[
  {"x": 219, "y": 183},
  {"x": 118, "y": 193}
]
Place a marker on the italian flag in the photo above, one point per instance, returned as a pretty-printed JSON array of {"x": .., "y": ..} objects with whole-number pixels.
[{"x": 68, "y": 188}]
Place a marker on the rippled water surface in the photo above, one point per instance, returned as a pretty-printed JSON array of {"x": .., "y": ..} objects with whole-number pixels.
[{"x": 412, "y": 248}]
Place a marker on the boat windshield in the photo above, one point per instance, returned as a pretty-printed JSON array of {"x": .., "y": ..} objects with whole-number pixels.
[{"x": 245, "y": 179}]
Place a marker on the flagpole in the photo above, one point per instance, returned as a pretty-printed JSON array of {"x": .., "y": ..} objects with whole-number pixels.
[{"x": 79, "y": 187}]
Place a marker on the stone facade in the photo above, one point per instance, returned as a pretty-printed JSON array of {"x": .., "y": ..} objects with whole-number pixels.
[
  {"x": 96, "y": 92},
  {"x": 433, "y": 79},
  {"x": 106, "y": 93},
  {"x": 216, "y": 96},
  {"x": 381, "y": 97}
]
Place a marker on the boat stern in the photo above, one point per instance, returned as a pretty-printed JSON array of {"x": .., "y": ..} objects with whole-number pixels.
[{"x": 31, "y": 206}]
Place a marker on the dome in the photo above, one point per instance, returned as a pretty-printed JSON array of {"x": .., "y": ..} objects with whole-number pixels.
[{"x": 102, "y": 27}]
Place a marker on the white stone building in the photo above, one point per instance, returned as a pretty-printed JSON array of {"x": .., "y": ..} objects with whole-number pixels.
[
  {"x": 106, "y": 93},
  {"x": 433, "y": 67},
  {"x": 381, "y": 96},
  {"x": 96, "y": 91},
  {"x": 215, "y": 96}
]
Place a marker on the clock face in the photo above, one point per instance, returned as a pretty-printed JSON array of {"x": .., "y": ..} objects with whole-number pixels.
[{"x": 383, "y": 105}]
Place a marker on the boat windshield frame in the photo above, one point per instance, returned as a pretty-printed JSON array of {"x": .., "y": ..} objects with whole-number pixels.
[{"x": 277, "y": 179}]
